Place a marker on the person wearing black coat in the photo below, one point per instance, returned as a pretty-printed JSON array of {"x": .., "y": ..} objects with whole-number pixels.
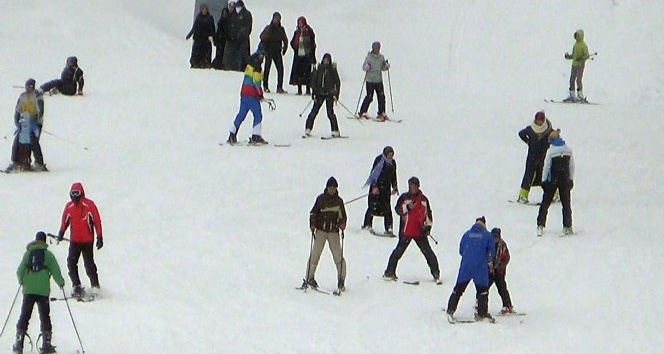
[
  {"x": 382, "y": 184},
  {"x": 304, "y": 55},
  {"x": 202, "y": 30},
  {"x": 536, "y": 136},
  {"x": 325, "y": 86},
  {"x": 219, "y": 40},
  {"x": 236, "y": 53},
  {"x": 274, "y": 40},
  {"x": 71, "y": 80}
]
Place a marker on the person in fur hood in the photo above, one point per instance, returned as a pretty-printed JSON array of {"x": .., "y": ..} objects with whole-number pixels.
[{"x": 536, "y": 136}]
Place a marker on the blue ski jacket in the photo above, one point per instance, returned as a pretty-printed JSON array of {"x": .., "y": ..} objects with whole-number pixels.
[{"x": 476, "y": 249}]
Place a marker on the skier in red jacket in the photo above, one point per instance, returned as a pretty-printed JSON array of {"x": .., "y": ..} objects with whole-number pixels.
[
  {"x": 498, "y": 270},
  {"x": 82, "y": 216},
  {"x": 416, "y": 221}
]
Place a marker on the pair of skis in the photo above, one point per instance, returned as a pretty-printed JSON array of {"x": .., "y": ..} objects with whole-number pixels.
[
  {"x": 304, "y": 287},
  {"x": 376, "y": 119}
]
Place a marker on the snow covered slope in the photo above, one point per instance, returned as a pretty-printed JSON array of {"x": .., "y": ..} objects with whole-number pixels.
[{"x": 204, "y": 244}]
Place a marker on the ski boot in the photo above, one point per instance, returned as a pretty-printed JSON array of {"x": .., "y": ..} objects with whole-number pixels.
[
  {"x": 47, "y": 347},
  {"x": 485, "y": 317},
  {"x": 390, "y": 276},
  {"x": 341, "y": 285},
  {"x": 307, "y": 132},
  {"x": 540, "y": 230},
  {"x": 39, "y": 167},
  {"x": 17, "y": 348},
  {"x": 232, "y": 139},
  {"x": 312, "y": 283},
  {"x": 568, "y": 231},
  {"x": 336, "y": 134},
  {"x": 257, "y": 140},
  {"x": 572, "y": 97},
  {"x": 507, "y": 310},
  {"x": 77, "y": 292}
]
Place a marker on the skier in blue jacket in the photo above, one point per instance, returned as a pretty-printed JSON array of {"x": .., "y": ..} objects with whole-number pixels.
[{"x": 477, "y": 250}]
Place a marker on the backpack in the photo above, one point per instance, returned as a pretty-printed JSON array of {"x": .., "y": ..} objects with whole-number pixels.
[{"x": 37, "y": 260}]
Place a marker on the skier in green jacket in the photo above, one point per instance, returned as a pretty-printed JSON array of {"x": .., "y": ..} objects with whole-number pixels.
[
  {"x": 578, "y": 57},
  {"x": 34, "y": 275}
]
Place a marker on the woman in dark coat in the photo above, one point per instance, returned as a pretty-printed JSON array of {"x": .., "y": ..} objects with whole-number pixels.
[
  {"x": 219, "y": 40},
  {"x": 202, "y": 30},
  {"x": 304, "y": 47},
  {"x": 536, "y": 136}
]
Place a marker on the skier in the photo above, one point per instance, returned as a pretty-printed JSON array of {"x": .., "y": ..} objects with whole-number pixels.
[
  {"x": 82, "y": 215},
  {"x": 304, "y": 48},
  {"x": 251, "y": 96},
  {"x": 326, "y": 87},
  {"x": 415, "y": 225},
  {"x": 28, "y": 131},
  {"x": 477, "y": 250},
  {"x": 558, "y": 175},
  {"x": 326, "y": 218},
  {"x": 499, "y": 269},
  {"x": 202, "y": 30},
  {"x": 382, "y": 184},
  {"x": 30, "y": 108},
  {"x": 374, "y": 64},
  {"x": 34, "y": 275},
  {"x": 275, "y": 41},
  {"x": 578, "y": 57},
  {"x": 536, "y": 136},
  {"x": 71, "y": 80}
]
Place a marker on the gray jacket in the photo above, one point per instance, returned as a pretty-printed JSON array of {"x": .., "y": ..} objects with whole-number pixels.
[{"x": 373, "y": 65}]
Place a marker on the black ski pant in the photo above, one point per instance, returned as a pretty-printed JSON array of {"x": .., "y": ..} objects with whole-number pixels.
[
  {"x": 75, "y": 251},
  {"x": 482, "y": 297},
  {"x": 421, "y": 242},
  {"x": 34, "y": 146},
  {"x": 329, "y": 105},
  {"x": 379, "y": 89},
  {"x": 44, "y": 308},
  {"x": 379, "y": 205},
  {"x": 279, "y": 64},
  {"x": 564, "y": 189},
  {"x": 501, "y": 285},
  {"x": 532, "y": 176}
]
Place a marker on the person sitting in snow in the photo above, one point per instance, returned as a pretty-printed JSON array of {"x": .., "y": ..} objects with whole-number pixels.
[{"x": 70, "y": 82}]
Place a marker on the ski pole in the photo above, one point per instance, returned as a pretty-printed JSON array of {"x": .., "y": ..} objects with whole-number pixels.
[
  {"x": 63, "y": 139},
  {"x": 434, "y": 240},
  {"x": 356, "y": 199},
  {"x": 56, "y": 237},
  {"x": 10, "y": 310},
  {"x": 389, "y": 84},
  {"x": 72, "y": 320},
  {"x": 357, "y": 106},
  {"x": 351, "y": 113},
  {"x": 311, "y": 250},
  {"x": 305, "y": 108},
  {"x": 343, "y": 261}
]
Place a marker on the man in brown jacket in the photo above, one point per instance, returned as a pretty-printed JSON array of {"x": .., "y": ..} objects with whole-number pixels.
[{"x": 326, "y": 219}]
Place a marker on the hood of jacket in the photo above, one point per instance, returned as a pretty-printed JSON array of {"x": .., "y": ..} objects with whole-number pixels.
[
  {"x": 77, "y": 186},
  {"x": 579, "y": 35}
]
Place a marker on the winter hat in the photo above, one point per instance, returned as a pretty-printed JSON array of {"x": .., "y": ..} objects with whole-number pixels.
[
  {"x": 275, "y": 14},
  {"x": 482, "y": 219},
  {"x": 540, "y": 115},
  {"x": 375, "y": 45},
  {"x": 495, "y": 231},
  {"x": 388, "y": 149},
  {"x": 327, "y": 55},
  {"x": 30, "y": 82},
  {"x": 239, "y": 3},
  {"x": 414, "y": 180},
  {"x": 74, "y": 60},
  {"x": 331, "y": 182},
  {"x": 40, "y": 236}
]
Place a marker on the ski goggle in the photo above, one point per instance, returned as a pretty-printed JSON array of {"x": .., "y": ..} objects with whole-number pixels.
[{"x": 75, "y": 193}]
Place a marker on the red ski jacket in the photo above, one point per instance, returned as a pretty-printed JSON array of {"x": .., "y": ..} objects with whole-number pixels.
[
  {"x": 82, "y": 216},
  {"x": 415, "y": 216}
]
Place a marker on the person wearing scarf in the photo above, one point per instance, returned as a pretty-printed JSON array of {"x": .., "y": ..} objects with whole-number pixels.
[
  {"x": 536, "y": 136},
  {"x": 382, "y": 184}
]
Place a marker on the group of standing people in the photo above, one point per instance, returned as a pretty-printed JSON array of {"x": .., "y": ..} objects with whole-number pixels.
[{"x": 38, "y": 265}]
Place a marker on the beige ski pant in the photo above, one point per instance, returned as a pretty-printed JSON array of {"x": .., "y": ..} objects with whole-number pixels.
[{"x": 334, "y": 242}]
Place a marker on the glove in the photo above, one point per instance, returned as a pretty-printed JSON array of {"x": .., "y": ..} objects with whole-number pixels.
[
  {"x": 395, "y": 191},
  {"x": 387, "y": 65},
  {"x": 571, "y": 184},
  {"x": 342, "y": 226},
  {"x": 61, "y": 236},
  {"x": 80, "y": 92},
  {"x": 312, "y": 228},
  {"x": 100, "y": 242},
  {"x": 426, "y": 230},
  {"x": 283, "y": 51},
  {"x": 366, "y": 67},
  {"x": 188, "y": 36},
  {"x": 568, "y": 56},
  {"x": 409, "y": 204}
]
